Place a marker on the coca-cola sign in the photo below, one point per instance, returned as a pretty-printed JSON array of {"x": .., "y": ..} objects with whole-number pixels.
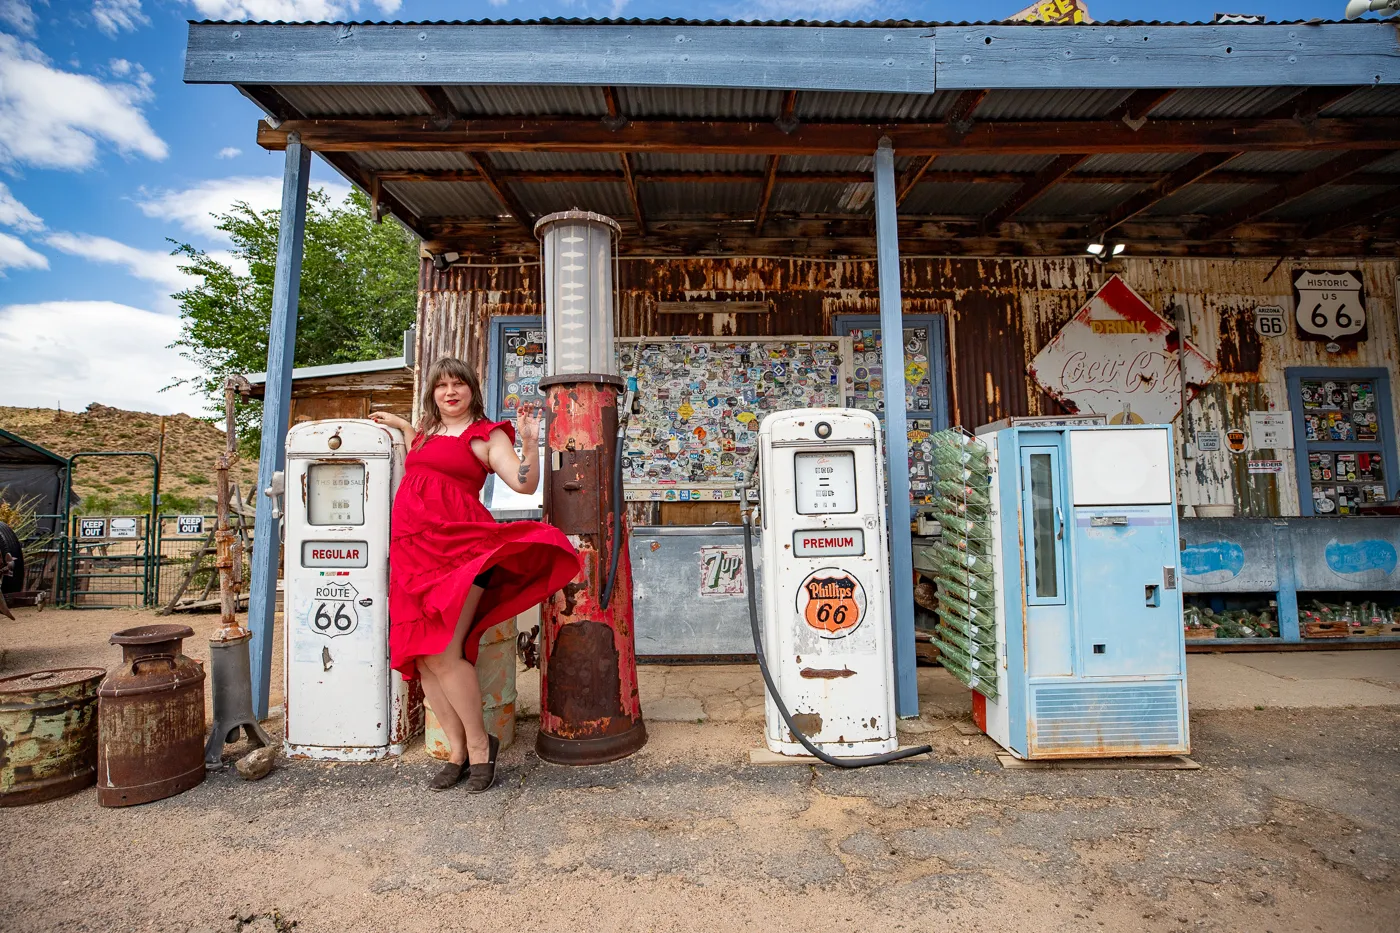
[{"x": 1118, "y": 357}]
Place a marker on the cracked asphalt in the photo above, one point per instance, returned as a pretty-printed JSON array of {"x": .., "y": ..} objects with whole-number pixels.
[{"x": 1292, "y": 824}]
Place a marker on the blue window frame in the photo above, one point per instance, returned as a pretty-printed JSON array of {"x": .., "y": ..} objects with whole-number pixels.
[
  {"x": 1044, "y": 532},
  {"x": 1343, "y": 434},
  {"x": 507, "y": 367}
]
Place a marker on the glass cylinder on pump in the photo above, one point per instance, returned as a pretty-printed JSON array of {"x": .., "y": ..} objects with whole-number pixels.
[{"x": 576, "y": 252}]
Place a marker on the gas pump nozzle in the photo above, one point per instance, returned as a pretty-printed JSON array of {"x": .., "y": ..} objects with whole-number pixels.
[{"x": 275, "y": 491}]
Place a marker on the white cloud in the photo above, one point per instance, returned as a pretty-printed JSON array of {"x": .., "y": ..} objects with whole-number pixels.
[
  {"x": 230, "y": 152},
  {"x": 78, "y": 352},
  {"x": 289, "y": 10},
  {"x": 193, "y": 207},
  {"x": 16, "y": 254},
  {"x": 19, "y": 14},
  {"x": 112, "y": 16},
  {"x": 14, "y": 214},
  {"x": 150, "y": 265},
  {"x": 55, "y": 119}
]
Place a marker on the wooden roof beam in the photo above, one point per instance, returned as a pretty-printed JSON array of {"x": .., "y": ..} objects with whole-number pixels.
[
  {"x": 1291, "y": 190},
  {"x": 1311, "y": 102},
  {"x": 911, "y": 177},
  {"x": 631, "y": 181},
  {"x": 614, "y": 120},
  {"x": 503, "y": 194},
  {"x": 959, "y": 116},
  {"x": 709, "y": 136},
  {"x": 1139, "y": 104},
  {"x": 1042, "y": 182},
  {"x": 787, "y": 116},
  {"x": 1353, "y": 216},
  {"x": 1192, "y": 171},
  {"x": 444, "y": 111},
  {"x": 770, "y": 177},
  {"x": 929, "y": 174}
]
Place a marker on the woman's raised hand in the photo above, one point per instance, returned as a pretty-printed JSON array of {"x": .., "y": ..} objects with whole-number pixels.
[
  {"x": 527, "y": 426},
  {"x": 389, "y": 420}
]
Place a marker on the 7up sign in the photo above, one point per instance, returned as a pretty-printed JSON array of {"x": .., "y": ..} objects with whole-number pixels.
[{"x": 1329, "y": 306}]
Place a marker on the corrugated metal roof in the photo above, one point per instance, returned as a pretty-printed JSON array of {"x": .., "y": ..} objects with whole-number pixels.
[
  {"x": 941, "y": 199},
  {"x": 609, "y": 198},
  {"x": 1050, "y": 105},
  {"x": 696, "y": 103},
  {"x": 448, "y": 199},
  {"x": 355, "y": 100},
  {"x": 830, "y": 105},
  {"x": 1382, "y": 101},
  {"x": 1202, "y": 199},
  {"x": 699, "y": 162},
  {"x": 1134, "y": 162},
  {"x": 1222, "y": 103},
  {"x": 519, "y": 100},
  {"x": 824, "y": 199},
  {"x": 1390, "y": 163},
  {"x": 415, "y": 161},
  {"x": 821, "y": 163},
  {"x": 1078, "y": 200},
  {"x": 1323, "y": 200},
  {"x": 1278, "y": 161},
  {"x": 991, "y": 163},
  {"x": 556, "y": 161},
  {"x": 668, "y": 200}
]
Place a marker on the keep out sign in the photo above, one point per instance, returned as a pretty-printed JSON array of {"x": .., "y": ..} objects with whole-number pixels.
[{"x": 832, "y": 601}]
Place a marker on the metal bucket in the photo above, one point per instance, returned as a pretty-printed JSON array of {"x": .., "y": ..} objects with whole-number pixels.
[
  {"x": 151, "y": 718},
  {"x": 495, "y": 668},
  {"x": 48, "y": 734}
]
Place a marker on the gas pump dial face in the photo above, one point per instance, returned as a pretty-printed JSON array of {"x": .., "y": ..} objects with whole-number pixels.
[{"x": 335, "y": 494}]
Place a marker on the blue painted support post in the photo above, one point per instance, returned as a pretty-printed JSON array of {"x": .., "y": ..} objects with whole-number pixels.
[
  {"x": 1289, "y": 628},
  {"x": 277, "y": 404},
  {"x": 906, "y": 688}
]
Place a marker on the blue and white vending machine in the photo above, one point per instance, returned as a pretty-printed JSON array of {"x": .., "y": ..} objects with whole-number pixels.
[{"x": 1089, "y": 640}]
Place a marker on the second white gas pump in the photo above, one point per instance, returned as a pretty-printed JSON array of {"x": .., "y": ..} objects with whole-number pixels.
[
  {"x": 344, "y": 703},
  {"x": 826, "y": 631}
]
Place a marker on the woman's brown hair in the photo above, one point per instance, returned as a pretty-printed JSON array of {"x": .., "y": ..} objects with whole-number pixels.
[{"x": 430, "y": 421}]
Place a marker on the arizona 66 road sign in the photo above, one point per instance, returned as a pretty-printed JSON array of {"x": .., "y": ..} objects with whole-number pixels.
[{"x": 1329, "y": 306}]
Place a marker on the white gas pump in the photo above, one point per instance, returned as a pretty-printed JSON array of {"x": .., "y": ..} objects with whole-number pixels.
[
  {"x": 344, "y": 703},
  {"x": 826, "y": 632}
]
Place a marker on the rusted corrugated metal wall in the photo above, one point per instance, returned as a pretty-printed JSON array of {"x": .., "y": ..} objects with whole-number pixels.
[{"x": 1000, "y": 313}]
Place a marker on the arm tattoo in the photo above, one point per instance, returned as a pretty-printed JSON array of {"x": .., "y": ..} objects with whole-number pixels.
[{"x": 523, "y": 473}]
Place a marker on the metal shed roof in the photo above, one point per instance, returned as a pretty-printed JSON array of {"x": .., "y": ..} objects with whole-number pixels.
[{"x": 716, "y": 136}]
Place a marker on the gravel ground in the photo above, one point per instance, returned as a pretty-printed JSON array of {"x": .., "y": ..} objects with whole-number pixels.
[{"x": 1292, "y": 824}]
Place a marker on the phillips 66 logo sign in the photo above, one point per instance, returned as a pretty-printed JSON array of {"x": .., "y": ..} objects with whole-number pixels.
[{"x": 1329, "y": 306}]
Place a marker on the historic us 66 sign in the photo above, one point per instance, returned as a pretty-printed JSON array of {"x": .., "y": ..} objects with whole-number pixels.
[{"x": 1329, "y": 306}]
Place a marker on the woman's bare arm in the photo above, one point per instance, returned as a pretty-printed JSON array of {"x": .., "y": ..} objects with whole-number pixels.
[
  {"x": 520, "y": 474},
  {"x": 390, "y": 420}
]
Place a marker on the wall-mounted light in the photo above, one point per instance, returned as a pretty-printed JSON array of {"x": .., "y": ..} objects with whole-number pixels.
[
  {"x": 1103, "y": 251},
  {"x": 1359, "y": 8}
]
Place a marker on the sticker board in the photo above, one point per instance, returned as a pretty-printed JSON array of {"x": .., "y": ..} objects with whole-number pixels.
[
  {"x": 868, "y": 394},
  {"x": 700, "y": 402},
  {"x": 1118, "y": 357},
  {"x": 522, "y": 366}
]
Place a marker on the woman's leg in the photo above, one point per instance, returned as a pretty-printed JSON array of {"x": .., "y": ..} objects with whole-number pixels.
[
  {"x": 457, "y": 679},
  {"x": 446, "y": 715}
]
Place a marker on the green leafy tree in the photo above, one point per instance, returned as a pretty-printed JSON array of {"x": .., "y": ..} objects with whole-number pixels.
[{"x": 359, "y": 286}]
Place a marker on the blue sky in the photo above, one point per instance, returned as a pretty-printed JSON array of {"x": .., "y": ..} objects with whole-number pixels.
[{"x": 105, "y": 153}]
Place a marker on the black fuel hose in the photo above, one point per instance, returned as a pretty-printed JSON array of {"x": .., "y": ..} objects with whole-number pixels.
[
  {"x": 772, "y": 688},
  {"x": 617, "y": 524}
]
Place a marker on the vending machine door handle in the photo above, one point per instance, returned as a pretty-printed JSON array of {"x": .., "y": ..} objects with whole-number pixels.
[{"x": 1060, "y": 517}]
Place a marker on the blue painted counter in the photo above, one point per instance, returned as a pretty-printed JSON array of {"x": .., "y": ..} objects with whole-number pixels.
[{"x": 1284, "y": 556}]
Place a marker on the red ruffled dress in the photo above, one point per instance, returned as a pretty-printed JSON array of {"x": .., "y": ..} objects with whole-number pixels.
[{"x": 442, "y": 538}]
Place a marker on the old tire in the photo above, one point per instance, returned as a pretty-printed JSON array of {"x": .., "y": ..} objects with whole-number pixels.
[{"x": 9, "y": 544}]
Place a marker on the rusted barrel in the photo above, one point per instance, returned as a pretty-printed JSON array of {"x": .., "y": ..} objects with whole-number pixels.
[
  {"x": 150, "y": 718},
  {"x": 48, "y": 734},
  {"x": 495, "y": 668}
]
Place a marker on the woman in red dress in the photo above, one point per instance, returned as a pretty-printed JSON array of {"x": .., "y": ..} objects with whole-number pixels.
[{"x": 453, "y": 571}]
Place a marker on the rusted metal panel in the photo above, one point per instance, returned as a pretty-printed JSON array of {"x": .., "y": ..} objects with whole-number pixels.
[
  {"x": 150, "y": 718},
  {"x": 48, "y": 734},
  {"x": 1001, "y": 312},
  {"x": 590, "y": 709}
]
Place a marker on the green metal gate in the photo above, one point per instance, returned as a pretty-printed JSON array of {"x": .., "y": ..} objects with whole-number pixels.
[
  {"x": 185, "y": 548},
  {"x": 112, "y": 559}
]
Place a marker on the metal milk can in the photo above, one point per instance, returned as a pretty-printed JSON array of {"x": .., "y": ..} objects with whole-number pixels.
[
  {"x": 48, "y": 734},
  {"x": 150, "y": 718}
]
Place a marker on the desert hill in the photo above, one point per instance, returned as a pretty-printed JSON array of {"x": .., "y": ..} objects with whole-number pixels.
[{"x": 121, "y": 485}]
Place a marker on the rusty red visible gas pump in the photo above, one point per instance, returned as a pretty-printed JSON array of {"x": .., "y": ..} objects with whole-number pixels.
[{"x": 589, "y": 708}]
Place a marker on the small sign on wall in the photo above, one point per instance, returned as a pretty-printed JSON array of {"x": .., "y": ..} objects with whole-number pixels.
[
  {"x": 1266, "y": 466},
  {"x": 1268, "y": 321},
  {"x": 721, "y": 570},
  {"x": 1329, "y": 306},
  {"x": 1235, "y": 439},
  {"x": 1271, "y": 429},
  {"x": 91, "y": 528},
  {"x": 1207, "y": 441},
  {"x": 123, "y": 527}
]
